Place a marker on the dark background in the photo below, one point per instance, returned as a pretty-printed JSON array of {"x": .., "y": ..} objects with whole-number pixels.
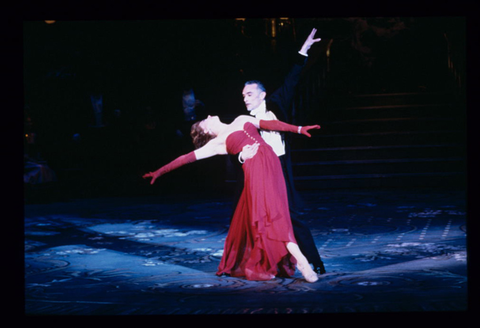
[{"x": 141, "y": 67}]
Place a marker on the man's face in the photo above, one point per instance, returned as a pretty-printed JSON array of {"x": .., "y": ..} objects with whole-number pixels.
[{"x": 252, "y": 96}]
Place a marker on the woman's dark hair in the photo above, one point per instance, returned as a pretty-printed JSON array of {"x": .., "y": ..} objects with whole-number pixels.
[{"x": 199, "y": 137}]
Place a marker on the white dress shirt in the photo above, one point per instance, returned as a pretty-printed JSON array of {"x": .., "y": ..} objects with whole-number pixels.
[{"x": 273, "y": 138}]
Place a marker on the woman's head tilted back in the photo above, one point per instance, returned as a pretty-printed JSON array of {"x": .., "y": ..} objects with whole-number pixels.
[{"x": 199, "y": 136}]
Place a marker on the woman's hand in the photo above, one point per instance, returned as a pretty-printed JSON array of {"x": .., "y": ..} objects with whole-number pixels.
[
  {"x": 153, "y": 175},
  {"x": 304, "y": 129},
  {"x": 176, "y": 163}
]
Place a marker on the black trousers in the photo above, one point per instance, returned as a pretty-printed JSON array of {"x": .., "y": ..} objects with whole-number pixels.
[{"x": 301, "y": 231}]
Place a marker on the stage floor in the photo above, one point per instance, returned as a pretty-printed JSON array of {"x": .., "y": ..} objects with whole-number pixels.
[{"x": 384, "y": 251}]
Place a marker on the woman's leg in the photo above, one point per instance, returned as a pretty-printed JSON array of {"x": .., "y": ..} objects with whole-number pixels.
[{"x": 302, "y": 263}]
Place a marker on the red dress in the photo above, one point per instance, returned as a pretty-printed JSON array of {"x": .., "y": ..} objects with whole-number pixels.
[{"x": 261, "y": 227}]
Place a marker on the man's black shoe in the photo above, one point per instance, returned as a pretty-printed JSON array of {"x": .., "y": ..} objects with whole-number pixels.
[{"x": 320, "y": 269}]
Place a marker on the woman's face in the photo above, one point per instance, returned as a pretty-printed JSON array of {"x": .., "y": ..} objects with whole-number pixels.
[{"x": 208, "y": 123}]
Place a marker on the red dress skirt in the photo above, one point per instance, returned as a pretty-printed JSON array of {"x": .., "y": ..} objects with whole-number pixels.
[{"x": 261, "y": 227}]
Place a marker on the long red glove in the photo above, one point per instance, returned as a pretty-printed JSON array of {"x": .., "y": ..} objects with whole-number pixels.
[
  {"x": 176, "y": 163},
  {"x": 275, "y": 125}
]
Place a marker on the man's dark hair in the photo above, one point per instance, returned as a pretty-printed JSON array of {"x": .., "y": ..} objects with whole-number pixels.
[{"x": 258, "y": 83}]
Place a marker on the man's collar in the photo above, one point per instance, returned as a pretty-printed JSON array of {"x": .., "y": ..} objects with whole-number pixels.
[{"x": 262, "y": 108}]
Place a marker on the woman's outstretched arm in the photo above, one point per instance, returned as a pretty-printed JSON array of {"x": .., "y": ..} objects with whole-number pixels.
[
  {"x": 275, "y": 125},
  {"x": 176, "y": 163},
  {"x": 212, "y": 148}
]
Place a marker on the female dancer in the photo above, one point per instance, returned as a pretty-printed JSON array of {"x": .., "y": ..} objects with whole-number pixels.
[{"x": 260, "y": 243}]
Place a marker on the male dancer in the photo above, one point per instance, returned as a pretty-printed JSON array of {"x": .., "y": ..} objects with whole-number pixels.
[{"x": 262, "y": 107}]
